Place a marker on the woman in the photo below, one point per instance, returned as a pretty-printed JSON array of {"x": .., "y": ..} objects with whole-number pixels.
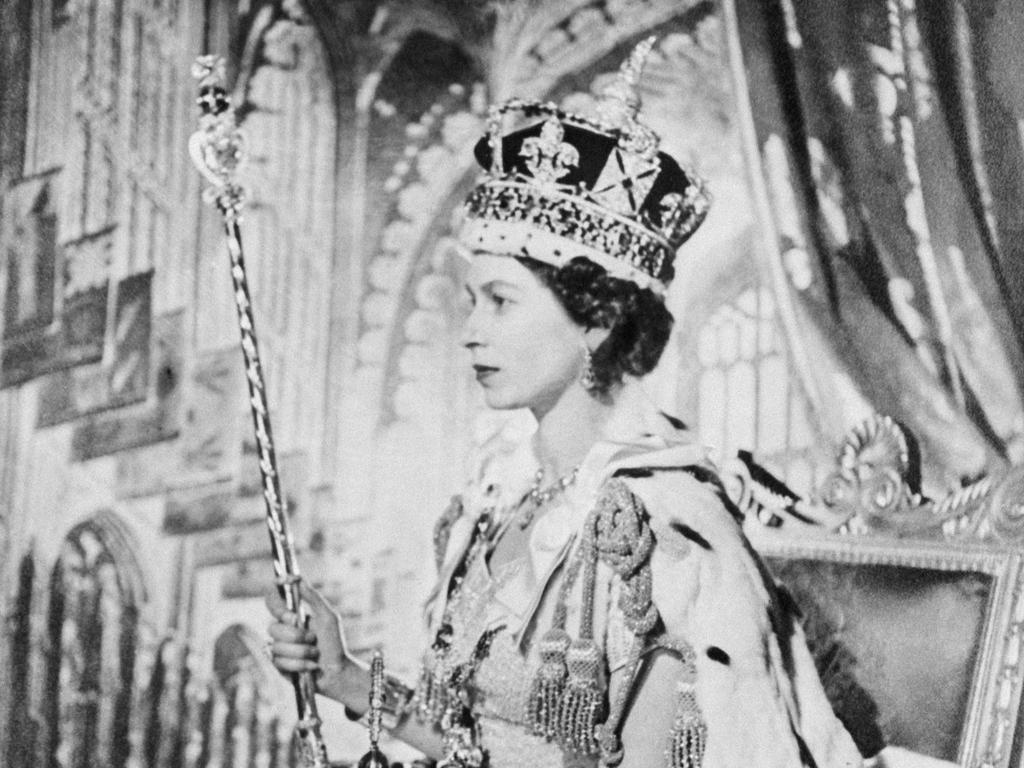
[{"x": 597, "y": 602}]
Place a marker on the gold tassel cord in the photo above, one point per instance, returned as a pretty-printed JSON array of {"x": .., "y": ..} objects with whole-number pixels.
[
  {"x": 623, "y": 540},
  {"x": 549, "y": 683},
  {"x": 688, "y": 741},
  {"x": 582, "y": 705}
]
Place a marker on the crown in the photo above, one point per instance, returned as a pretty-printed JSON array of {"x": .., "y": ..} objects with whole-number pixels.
[{"x": 564, "y": 185}]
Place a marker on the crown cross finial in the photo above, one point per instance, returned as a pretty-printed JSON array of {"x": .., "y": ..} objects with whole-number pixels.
[
  {"x": 633, "y": 67},
  {"x": 548, "y": 158},
  {"x": 620, "y": 100}
]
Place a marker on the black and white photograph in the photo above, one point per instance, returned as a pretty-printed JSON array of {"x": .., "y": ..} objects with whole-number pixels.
[{"x": 511, "y": 383}]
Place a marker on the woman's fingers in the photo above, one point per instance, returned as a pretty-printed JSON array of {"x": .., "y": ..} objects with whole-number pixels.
[
  {"x": 290, "y": 656},
  {"x": 294, "y": 647},
  {"x": 315, "y": 601},
  {"x": 285, "y": 664},
  {"x": 290, "y": 633},
  {"x": 281, "y": 649},
  {"x": 279, "y": 609}
]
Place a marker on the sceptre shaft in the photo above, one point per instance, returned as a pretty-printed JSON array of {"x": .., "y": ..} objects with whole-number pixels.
[{"x": 217, "y": 149}]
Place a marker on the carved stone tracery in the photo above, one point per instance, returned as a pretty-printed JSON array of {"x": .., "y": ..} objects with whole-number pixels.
[
  {"x": 245, "y": 725},
  {"x": 84, "y": 677}
]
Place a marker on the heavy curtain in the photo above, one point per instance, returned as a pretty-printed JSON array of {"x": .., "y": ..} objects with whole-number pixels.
[{"x": 887, "y": 140}]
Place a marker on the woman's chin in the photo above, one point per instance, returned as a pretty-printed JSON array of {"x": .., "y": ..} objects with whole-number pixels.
[
  {"x": 500, "y": 401},
  {"x": 502, "y": 398}
]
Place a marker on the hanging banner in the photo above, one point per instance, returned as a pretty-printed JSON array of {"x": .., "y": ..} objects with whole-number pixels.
[
  {"x": 71, "y": 393},
  {"x": 154, "y": 420},
  {"x": 49, "y": 324}
]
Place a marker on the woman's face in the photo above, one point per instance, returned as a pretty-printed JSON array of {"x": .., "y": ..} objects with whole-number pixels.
[{"x": 525, "y": 348}]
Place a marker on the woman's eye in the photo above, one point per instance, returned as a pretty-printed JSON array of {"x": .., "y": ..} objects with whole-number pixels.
[{"x": 499, "y": 300}]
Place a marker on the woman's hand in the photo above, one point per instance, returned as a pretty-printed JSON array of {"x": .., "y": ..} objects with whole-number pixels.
[{"x": 318, "y": 646}]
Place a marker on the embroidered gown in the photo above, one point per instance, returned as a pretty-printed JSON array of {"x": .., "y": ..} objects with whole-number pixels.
[{"x": 639, "y": 557}]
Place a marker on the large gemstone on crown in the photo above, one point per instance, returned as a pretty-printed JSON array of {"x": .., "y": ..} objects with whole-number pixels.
[{"x": 625, "y": 182}]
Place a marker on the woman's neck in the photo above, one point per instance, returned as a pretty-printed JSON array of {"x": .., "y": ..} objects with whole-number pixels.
[{"x": 567, "y": 431}]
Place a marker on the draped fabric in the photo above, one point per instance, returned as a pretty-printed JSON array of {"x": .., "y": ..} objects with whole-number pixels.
[{"x": 890, "y": 148}]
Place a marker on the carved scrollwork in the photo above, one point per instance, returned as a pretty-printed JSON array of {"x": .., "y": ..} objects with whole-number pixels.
[
  {"x": 1008, "y": 505},
  {"x": 999, "y": 512},
  {"x": 874, "y": 485},
  {"x": 874, "y": 489}
]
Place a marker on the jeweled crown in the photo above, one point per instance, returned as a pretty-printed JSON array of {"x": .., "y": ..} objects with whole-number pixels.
[{"x": 566, "y": 185}]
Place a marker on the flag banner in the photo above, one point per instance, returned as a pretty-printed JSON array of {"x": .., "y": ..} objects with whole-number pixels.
[
  {"x": 157, "y": 418},
  {"x": 71, "y": 393}
]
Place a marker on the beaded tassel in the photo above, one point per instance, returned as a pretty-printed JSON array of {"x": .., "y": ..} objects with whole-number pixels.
[
  {"x": 582, "y": 703},
  {"x": 548, "y": 684},
  {"x": 689, "y": 740},
  {"x": 689, "y": 736},
  {"x": 431, "y": 697},
  {"x": 581, "y": 707},
  {"x": 424, "y": 692}
]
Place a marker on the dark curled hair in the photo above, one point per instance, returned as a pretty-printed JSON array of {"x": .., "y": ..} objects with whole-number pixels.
[{"x": 640, "y": 323}]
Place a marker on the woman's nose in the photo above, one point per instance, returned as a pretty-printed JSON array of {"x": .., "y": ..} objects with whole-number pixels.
[{"x": 470, "y": 336}]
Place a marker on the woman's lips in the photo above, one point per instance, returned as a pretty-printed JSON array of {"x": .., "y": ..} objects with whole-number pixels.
[{"x": 484, "y": 371}]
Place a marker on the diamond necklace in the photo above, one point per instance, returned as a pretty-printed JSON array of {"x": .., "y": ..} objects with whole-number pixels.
[{"x": 538, "y": 496}]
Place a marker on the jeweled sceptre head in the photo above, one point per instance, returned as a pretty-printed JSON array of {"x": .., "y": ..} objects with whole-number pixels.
[{"x": 218, "y": 147}]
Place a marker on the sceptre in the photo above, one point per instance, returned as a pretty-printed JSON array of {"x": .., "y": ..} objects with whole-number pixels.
[{"x": 218, "y": 150}]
